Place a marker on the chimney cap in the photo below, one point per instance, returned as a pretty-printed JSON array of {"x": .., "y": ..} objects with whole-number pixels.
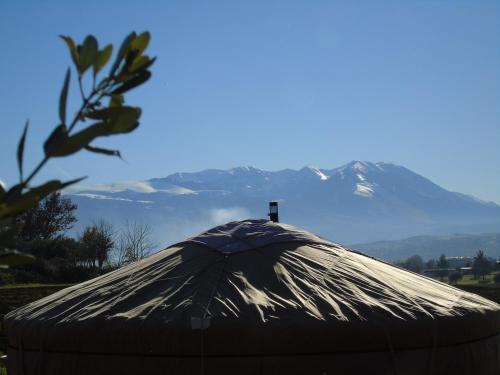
[{"x": 273, "y": 211}]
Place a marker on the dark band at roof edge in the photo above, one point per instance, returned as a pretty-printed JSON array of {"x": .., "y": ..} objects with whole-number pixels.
[{"x": 384, "y": 349}]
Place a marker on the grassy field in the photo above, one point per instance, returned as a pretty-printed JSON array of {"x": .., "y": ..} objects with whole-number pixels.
[
  {"x": 469, "y": 280},
  {"x": 484, "y": 287}
]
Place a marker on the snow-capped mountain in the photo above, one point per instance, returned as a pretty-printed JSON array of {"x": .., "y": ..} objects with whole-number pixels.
[{"x": 357, "y": 202}]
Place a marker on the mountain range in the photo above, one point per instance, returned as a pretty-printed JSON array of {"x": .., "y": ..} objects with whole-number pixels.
[{"x": 357, "y": 202}]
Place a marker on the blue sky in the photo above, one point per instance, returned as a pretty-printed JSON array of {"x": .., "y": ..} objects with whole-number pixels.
[{"x": 273, "y": 84}]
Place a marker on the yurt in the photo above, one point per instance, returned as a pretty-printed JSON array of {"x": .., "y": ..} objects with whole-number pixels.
[{"x": 256, "y": 297}]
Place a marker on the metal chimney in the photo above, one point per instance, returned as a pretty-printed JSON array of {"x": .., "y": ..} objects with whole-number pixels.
[{"x": 273, "y": 212}]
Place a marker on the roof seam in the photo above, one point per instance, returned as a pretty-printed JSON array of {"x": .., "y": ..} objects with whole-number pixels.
[{"x": 212, "y": 294}]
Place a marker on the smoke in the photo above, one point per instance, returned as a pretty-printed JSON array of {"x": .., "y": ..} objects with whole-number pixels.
[
  {"x": 169, "y": 225},
  {"x": 223, "y": 215},
  {"x": 169, "y": 229}
]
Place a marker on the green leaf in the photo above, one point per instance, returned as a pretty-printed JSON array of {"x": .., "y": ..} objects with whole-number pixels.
[
  {"x": 51, "y": 186},
  {"x": 116, "y": 100},
  {"x": 112, "y": 113},
  {"x": 60, "y": 143},
  {"x": 20, "y": 151},
  {"x": 118, "y": 119},
  {"x": 64, "y": 97},
  {"x": 115, "y": 120},
  {"x": 12, "y": 209},
  {"x": 11, "y": 205},
  {"x": 122, "y": 52},
  {"x": 124, "y": 124},
  {"x": 124, "y": 74},
  {"x": 102, "y": 58},
  {"x": 55, "y": 139},
  {"x": 13, "y": 192},
  {"x": 66, "y": 145},
  {"x": 134, "y": 82},
  {"x": 11, "y": 258},
  {"x": 126, "y": 44},
  {"x": 104, "y": 151},
  {"x": 88, "y": 53},
  {"x": 72, "y": 49},
  {"x": 8, "y": 231},
  {"x": 140, "y": 43},
  {"x": 142, "y": 63},
  {"x": 16, "y": 202},
  {"x": 41, "y": 191}
]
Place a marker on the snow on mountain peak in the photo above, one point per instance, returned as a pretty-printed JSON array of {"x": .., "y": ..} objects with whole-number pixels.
[
  {"x": 106, "y": 197},
  {"x": 357, "y": 166},
  {"x": 137, "y": 186},
  {"x": 312, "y": 172},
  {"x": 364, "y": 189},
  {"x": 360, "y": 166},
  {"x": 118, "y": 187},
  {"x": 244, "y": 169},
  {"x": 318, "y": 172}
]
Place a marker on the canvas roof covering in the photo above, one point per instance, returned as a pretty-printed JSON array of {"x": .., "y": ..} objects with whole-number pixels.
[{"x": 256, "y": 297}]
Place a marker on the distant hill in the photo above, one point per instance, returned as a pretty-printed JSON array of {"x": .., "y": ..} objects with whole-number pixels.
[
  {"x": 433, "y": 246},
  {"x": 357, "y": 202}
]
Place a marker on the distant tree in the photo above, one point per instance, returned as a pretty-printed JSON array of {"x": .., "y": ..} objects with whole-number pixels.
[
  {"x": 442, "y": 262},
  {"x": 414, "y": 263},
  {"x": 496, "y": 265},
  {"x": 430, "y": 264},
  {"x": 496, "y": 279},
  {"x": 442, "y": 265},
  {"x": 48, "y": 219},
  {"x": 455, "y": 277},
  {"x": 55, "y": 261},
  {"x": 135, "y": 242},
  {"x": 97, "y": 243},
  {"x": 107, "y": 242},
  {"x": 481, "y": 266}
]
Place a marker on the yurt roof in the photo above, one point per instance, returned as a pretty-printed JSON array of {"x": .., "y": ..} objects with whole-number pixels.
[{"x": 253, "y": 288}]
